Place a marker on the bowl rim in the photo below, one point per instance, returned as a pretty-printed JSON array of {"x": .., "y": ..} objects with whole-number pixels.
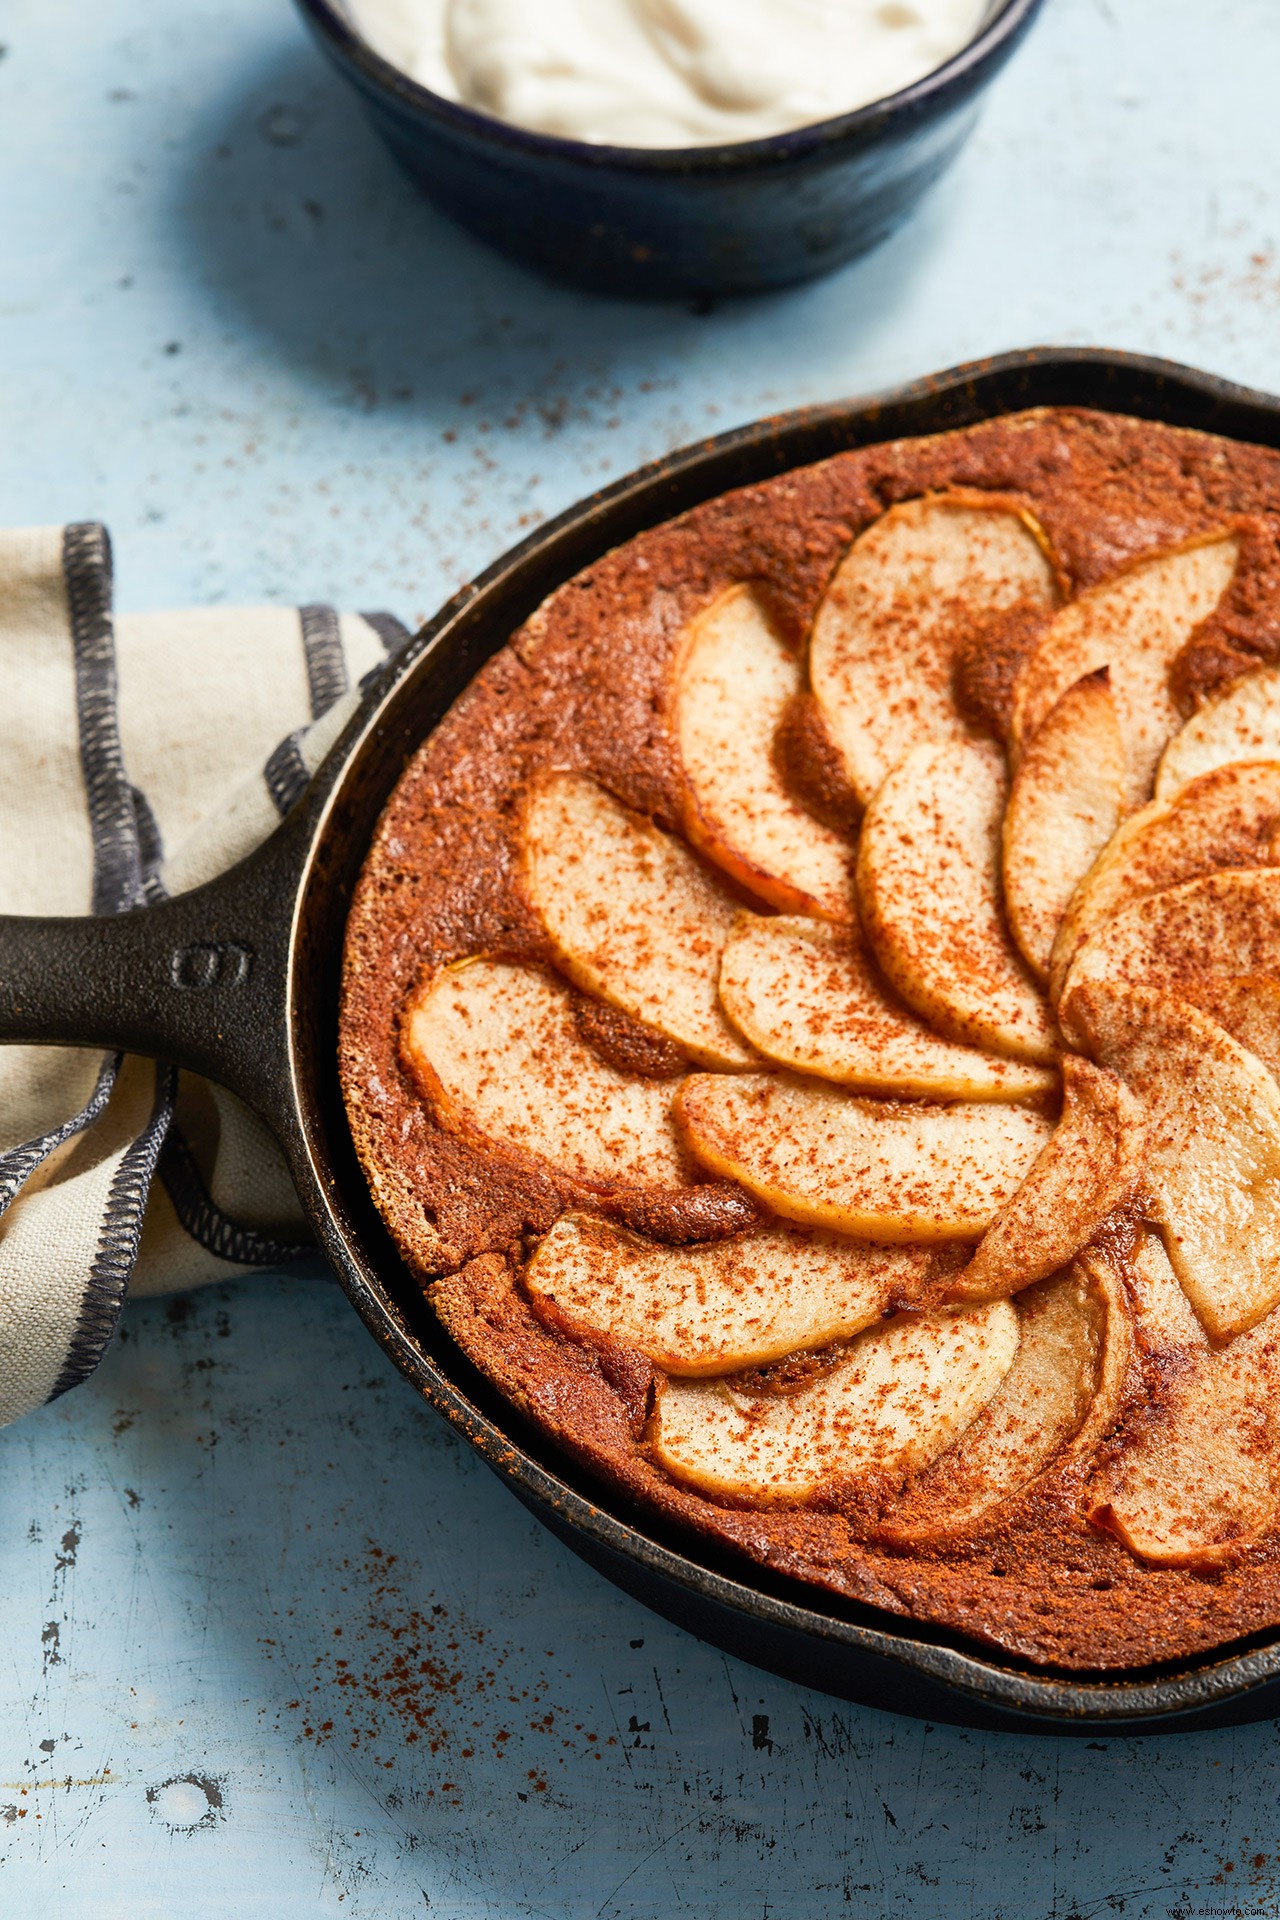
[{"x": 959, "y": 75}]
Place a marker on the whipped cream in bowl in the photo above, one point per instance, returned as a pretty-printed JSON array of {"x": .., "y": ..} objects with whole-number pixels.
[
  {"x": 666, "y": 73},
  {"x": 673, "y": 149}
]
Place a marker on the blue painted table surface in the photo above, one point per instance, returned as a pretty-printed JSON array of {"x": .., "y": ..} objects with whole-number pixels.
[{"x": 274, "y": 1642}]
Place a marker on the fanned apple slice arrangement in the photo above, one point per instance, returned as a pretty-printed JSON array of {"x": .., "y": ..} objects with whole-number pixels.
[{"x": 1024, "y": 1014}]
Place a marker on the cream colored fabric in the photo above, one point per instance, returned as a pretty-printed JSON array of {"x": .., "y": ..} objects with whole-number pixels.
[
  {"x": 175, "y": 671},
  {"x": 169, "y": 1260},
  {"x": 247, "y": 816},
  {"x": 49, "y": 1237},
  {"x": 46, "y": 851},
  {"x": 139, "y": 757}
]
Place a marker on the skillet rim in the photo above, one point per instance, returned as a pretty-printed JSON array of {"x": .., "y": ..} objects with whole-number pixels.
[{"x": 906, "y": 1666}]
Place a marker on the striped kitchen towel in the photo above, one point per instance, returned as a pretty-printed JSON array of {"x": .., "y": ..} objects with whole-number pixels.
[{"x": 139, "y": 756}]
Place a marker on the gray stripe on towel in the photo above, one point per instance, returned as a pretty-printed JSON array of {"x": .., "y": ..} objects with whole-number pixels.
[
  {"x": 117, "y": 865},
  {"x": 286, "y": 774},
  {"x": 205, "y": 1221},
  {"x": 19, "y": 1163},
  {"x": 117, "y": 885},
  {"x": 326, "y": 662},
  {"x": 392, "y": 632},
  {"x": 117, "y": 1253}
]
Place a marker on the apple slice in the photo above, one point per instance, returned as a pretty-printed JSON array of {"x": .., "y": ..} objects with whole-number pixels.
[
  {"x": 726, "y": 1305},
  {"x": 631, "y": 915},
  {"x": 1228, "y": 817},
  {"x": 926, "y": 578},
  {"x": 1064, "y": 806},
  {"x": 889, "y": 1404},
  {"x": 734, "y": 681},
  {"x": 497, "y": 1051},
  {"x": 1248, "y": 1008},
  {"x": 929, "y": 891},
  {"x": 1135, "y": 623},
  {"x": 1058, "y": 1400},
  {"x": 1193, "y": 1478},
  {"x": 1213, "y": 1147},
  {"x": 1242, "y": 723},
  {"x": 1090, "y": 1166},
  {"x": 874, "y": 1169},
  {"x": 806, "y": 994},
  {"x": 1220, "y": 925}
]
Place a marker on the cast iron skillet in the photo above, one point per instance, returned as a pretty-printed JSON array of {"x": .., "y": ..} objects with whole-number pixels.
[{"x": 239, "y": 980}]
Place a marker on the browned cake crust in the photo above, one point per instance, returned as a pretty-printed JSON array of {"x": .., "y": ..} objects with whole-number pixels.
[{"x": 583, "y": 686}]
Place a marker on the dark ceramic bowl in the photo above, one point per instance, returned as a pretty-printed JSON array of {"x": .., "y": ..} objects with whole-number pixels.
[{"x": 697, "y": 221}]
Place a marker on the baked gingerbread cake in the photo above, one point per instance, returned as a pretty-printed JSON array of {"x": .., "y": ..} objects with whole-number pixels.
[{"x": 812, "y": 1023}]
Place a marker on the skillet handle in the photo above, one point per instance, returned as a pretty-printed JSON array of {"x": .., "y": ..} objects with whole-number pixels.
[{"x": 200, "y": 980}]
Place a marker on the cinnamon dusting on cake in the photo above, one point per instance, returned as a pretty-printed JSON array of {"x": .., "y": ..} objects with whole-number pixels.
[
  {"x": 584, "y": 686},
  {"x": 626, "y": 1043},
  {"x": 986, "y": 666},
  {"x": 811, "y": 768}
]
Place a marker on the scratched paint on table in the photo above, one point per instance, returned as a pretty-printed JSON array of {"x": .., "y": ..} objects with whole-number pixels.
[{"x": 308, "y": 1653}]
